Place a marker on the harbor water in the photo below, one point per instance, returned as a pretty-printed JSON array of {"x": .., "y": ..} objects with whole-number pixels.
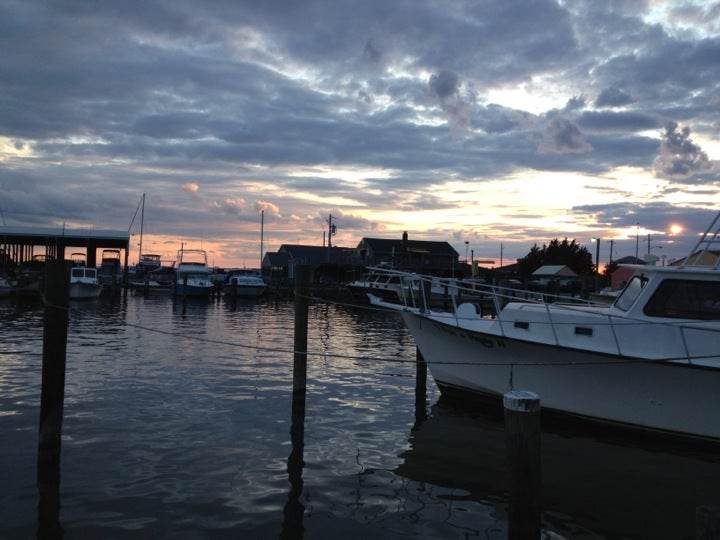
[{"x": 178, "y": 423}]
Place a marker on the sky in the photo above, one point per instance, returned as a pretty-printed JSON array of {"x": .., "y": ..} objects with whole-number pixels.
[{"x": 494, "y": 125}]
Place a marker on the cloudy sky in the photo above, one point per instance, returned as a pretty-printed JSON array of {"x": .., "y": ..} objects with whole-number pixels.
[{"x": 491, "y": 124}]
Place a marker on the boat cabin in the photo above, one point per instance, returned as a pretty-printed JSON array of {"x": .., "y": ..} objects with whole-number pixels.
[{"x": 666, "y": 293}]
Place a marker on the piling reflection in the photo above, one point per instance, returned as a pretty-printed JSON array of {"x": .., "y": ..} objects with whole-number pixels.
[
  {"x": 594, "y": 484},
  {"x": 420, "y": 390},
  {"x": 292, "y": 526}
]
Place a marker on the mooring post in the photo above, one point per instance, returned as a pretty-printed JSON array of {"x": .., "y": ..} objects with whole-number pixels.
[
  {"x": 707, "y": 522},
  {"x": 293, "y": 513},
  {"x": 522, "y": 435},
  {"x": 302, "y": 294},
  {"x": 56, "y": 289}
]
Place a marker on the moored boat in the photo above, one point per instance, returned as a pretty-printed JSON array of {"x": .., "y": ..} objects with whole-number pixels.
[
  {"x": 648, "y": 361},
  {"x": 84, "y": 283},
  {"x": 192, "y": 275},
  {"x": 29, "y": 276},
  {"x": 110, "y": 268},
  {"x": 6, "y": 287},
  {"x": 387, "y": 285},
  {"x": 244, "y": 283}
]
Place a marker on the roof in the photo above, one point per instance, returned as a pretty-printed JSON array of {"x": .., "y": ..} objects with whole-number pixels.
[
  {"x": 557, "y": 270},
  {"x": 388, "y": 245},
  {"x": 279, "y": 259},
  {"x": 70, "y": 237},
  {"x": 311, "y": 255}
]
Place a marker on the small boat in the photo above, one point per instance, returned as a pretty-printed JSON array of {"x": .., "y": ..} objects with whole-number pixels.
[
  {"x": 84, "y": 283},
  {"x": 192, "y": 276},
  {"x": 379, "y": 281},
  {"x": 160, "y": 280},
  {"x": 244, "y": 283},
  {"x": 110, "y": 268},
  {"x": 29, "y": 276},
  {"x": 149, "y": 262},
  {"x": 6, "y": 287},
  {"x": 649, "y": 361}
]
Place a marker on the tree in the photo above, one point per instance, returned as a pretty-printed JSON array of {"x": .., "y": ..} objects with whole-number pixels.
[{"x": 565, "y": 253}]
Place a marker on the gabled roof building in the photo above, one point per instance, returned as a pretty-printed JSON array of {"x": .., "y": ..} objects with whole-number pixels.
[{"x": 404, "y": 253}]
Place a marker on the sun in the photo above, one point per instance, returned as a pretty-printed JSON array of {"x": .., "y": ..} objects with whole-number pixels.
[{"x": 675, "y": 229}]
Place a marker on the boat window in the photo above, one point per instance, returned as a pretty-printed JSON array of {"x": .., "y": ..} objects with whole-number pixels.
[
  {"x": 630, "y": 293},
  {"x": 77, "y": 272},
  {"x": 683, "y": 299}
]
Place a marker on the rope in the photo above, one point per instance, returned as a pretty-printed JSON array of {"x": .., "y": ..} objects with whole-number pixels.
[{"x": 366, "y": 358}]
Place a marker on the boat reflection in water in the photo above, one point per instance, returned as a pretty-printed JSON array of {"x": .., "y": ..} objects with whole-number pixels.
[{"x": 593, "y": 486}]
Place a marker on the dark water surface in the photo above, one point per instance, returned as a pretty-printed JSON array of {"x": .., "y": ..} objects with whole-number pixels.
[{"x": 177, "y": 424}]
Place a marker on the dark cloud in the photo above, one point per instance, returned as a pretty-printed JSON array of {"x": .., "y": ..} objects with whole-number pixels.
[
  {"x": 627, "y": 122},
  {"x": 678, "y": 157},
  {"x": 575, "y": 103},
  {"x": 444, "y": 84},
  {"x": 612, "y": 97},
  {"x": 563, "y": 136},
  {"x": 108, "y": 100}
]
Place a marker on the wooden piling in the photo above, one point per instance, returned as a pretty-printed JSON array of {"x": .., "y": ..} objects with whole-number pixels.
[
  {"x": 56, "y": 293},
  {"x": 302, "y": 294},
  {"x": 522, "y": 432}
]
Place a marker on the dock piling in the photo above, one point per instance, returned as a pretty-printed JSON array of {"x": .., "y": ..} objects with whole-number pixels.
[
  {"x": 522, "y": 432},
  {"x": 56, "y": 291},
  {"x": 302, "y": 293}
]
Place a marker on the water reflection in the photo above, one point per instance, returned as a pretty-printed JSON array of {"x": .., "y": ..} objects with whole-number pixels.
[
  {"x": 591, "y": 487},
  {"x": 292, "y": 525},
  {"x": 181, "y": 423}
]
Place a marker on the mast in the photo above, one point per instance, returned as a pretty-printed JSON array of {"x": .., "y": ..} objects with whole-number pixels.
[
  {"x": 262, "y": 225},
  {"x": 142, "y": 224}
]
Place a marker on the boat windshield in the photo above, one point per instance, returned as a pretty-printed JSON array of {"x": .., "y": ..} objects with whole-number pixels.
[{"x": 630, "y": 293}]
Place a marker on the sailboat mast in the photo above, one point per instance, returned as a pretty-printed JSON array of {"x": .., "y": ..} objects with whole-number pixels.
[
  {"x": 142, "y": 224},
  {"x": 262, "y": 226}
]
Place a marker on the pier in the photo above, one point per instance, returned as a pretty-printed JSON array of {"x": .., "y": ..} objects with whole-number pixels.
[{"x": 19, "y": 243}]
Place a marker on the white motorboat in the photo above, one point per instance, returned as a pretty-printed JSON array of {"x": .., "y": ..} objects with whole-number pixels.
[
  {"x": 650, "y": 360},
  {"x": 192, "y": 276},
  {"x": 386, "y": 284},
  {"x": 244, "y": 283},
  {"x": 84, "y": 283}
]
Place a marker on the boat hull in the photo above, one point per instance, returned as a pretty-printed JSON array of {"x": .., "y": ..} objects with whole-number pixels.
[
  {"x": 244, "y": 291},
  {"x": 665, "y": 396},
  {"x": 193, "y": 290},
  {"x": 84, "y": 291}
]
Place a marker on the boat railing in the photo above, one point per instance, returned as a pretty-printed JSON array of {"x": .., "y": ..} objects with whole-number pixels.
[
  {"x": 703, "y": 253},
  {"x": 416, "y": 294}
]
